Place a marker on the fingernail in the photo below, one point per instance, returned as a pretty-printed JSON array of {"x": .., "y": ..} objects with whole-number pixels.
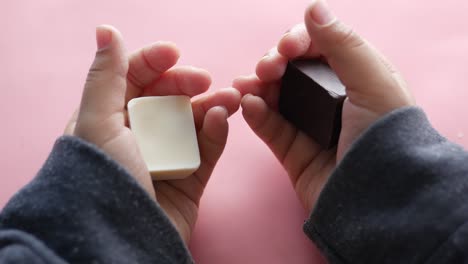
[
  {"x": 223, "y": 109},
  {"x": 266, "y": 55},
  {"x": 294, "y": 29},
  {"x": 226, "y": 112},
  {"x": 103, "y": 37},
  {"x": 248, "y": 96},
  {"x": 287, "y": 32},
  {"x": 271, "y": 52},
  {"x": 320, "y": 13},
  {"x": 244, "y": 98}
]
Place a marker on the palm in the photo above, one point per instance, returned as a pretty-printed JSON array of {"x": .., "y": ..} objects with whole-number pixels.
[
  {"x": 307, "y": 164},
  {"x": 374, "y": 88},
  {"x": 114, "y": 79},
  {"x": 179, "y": 199},
  {"x": 309, "y": 183}
]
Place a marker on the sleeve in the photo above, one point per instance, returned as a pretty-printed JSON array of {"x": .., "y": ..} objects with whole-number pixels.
[
  {"x": 400, "y": 195},
  {"x": 83, "y": 207}
]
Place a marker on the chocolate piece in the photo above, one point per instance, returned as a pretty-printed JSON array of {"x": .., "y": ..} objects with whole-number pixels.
[{"x": 311, "y": 98}]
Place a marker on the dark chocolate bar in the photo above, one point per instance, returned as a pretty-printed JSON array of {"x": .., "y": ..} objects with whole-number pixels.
[{"x": 311, "y": 98}]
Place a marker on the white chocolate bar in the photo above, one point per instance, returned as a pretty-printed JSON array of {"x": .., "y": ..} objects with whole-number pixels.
[{"x": 165, "y": 132}]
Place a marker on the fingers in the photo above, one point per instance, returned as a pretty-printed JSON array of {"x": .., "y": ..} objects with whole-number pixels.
[
  {"x": 270, "y": 69},
  {"x": 212, "y": 140},
  {"x": 268, "y": 125},
  {"x": 210, "y": 115},
  {"x": 104, "y": 92},
  {"x": 147, "y": 64},
  {"x": 150, "y": 73},
  {"x": 354, "y": 61},
  {"x": 228, "y": 98},
  {"x": 296, "y": 43},
  {"x": 291, "y": 147},
  {"x": 272, "y": 66},
  {"x": 249, "y": 84},
  {"x": 183, "y": 80},
  {"x": 269, "y": 92}
]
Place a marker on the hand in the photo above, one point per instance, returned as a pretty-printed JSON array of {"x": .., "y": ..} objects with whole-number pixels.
[
  {"x": 114, "y": 79},
  {"x": 373, "y": 86}
]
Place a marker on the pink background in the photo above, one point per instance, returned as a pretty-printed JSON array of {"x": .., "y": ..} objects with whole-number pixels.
[{"x": 249, "y": 213}]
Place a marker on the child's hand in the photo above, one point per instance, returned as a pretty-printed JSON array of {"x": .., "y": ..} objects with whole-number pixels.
[
  {"x": 373, "y": 86},
  {"x": 114, "y": 79}
]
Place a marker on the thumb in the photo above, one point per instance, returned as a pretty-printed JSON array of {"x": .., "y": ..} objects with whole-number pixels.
[
  {"x": 104, "y": 92},
  {"x": 369, "y": 82}
]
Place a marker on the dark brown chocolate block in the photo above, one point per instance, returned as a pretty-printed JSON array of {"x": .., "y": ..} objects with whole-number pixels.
[{"x": 311, "y": 98}]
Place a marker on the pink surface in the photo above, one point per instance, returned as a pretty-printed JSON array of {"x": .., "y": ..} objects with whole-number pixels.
[{"x": 249, "y": 213}]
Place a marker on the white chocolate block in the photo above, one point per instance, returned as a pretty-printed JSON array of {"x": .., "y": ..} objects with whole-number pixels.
[{"x": 166, "y": 135}]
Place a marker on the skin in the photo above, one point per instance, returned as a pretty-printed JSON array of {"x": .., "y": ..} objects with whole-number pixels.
[
  {"x": 373, "y": 86},
  {"x": 114, "y": 79}
]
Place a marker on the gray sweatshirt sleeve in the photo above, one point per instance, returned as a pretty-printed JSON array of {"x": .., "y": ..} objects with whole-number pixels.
[
  {"x": 400, "y": 195},
  {"x": 83, "y": 207}
]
